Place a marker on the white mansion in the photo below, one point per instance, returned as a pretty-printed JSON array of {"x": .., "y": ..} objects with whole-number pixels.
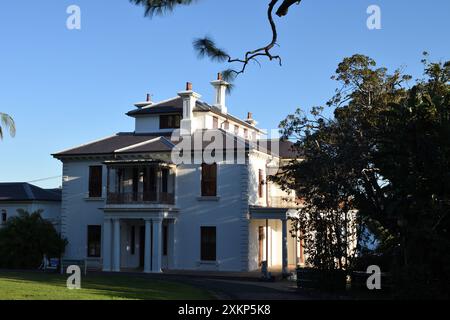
[{"x": 129, "y": 203}]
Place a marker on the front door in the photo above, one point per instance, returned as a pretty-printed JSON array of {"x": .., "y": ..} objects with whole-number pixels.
[{"x": 141, "y": 246}]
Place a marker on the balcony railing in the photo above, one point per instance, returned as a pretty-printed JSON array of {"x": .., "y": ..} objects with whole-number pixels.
[{"x": 140, "y": 198}]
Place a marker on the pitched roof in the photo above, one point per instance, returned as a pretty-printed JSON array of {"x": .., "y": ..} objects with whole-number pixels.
[
  {"x": 21, "y": 191},
  {"x": 110, "y": 145},
  {"x": 175, "y": 105}
]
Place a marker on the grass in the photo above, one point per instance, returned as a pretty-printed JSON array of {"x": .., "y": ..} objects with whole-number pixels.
[{"x": 45, "y": 286}]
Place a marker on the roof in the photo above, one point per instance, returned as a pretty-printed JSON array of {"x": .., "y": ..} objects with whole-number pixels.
[
  {"x": 286, "y": 150},
  {"x": 175, "y": 105},
  {"x": 22, "y": 191},
  {"x": 126, "y": 143}
]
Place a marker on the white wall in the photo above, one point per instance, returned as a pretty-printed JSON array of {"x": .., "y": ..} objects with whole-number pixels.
[
  {"x": 77, "y": 210},
  {"x": 225, "y": 213}
]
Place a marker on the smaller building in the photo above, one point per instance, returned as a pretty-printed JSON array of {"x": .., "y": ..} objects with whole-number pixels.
[{"x": 21, "y": 195}]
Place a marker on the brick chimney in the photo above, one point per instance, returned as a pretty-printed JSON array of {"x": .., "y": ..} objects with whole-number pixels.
[
  {"x": 220, "y": 87},
  {"x": 189, "y": 98},
  {"x": 147, "y": 103},
  {"x": 250, "y": 119}
]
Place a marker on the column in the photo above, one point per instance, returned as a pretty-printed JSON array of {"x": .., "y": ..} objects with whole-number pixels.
[
  {"x": 116, "y": 246},
  {"x": 172, "y": 263},
  {"x": 285, "y": 247},
  {"x": 148, "y": 248},
  {"x": 157, "y": 252},
  {"x": 106, "y": 247}
]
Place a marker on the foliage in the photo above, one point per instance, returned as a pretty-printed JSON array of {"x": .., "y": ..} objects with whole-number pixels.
[
  {"x": 26, "y": 238},
  {"x": 7, "y": 122},
  {"x": 385, "y": 153},
  {"x": 206, "y": 47}
]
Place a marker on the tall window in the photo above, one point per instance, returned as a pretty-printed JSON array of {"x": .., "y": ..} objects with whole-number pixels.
[
  {"x": 246, "y": 133},
  {"x": 209, "y": 180},
  {"x": 95, "y": 181},
  {"x": 94, "y": 241},
  {"x": 226, "y": 125},
  {"x": 4, "y": 216},
  {"x": 261, "y": 184},
  {"x": 208, "y": 244},
  {"x": 165, "y": 232},
  {"x": 169, "y": 121},
  {"x": 215, "y": 123}
]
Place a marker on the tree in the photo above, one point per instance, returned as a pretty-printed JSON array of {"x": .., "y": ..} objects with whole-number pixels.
[
  {"x": 385, "y": 153},
  {"x": 26, "y": 238},
  {"x": 206, "y": 47},
  {"x": 7, "y": 122}
]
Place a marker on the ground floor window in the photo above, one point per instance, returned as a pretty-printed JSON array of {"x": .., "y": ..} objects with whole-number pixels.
[
  {"x": 4, "y": 217},
  {"x": 94, "y": 241},
  {"x": 208, "y": 244}
]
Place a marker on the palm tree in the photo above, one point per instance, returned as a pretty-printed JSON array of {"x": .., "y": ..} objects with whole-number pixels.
[{"x": 6, "y": 122}]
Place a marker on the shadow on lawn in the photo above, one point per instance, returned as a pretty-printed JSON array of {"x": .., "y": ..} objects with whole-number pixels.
[{"x": 109, "y": 286}]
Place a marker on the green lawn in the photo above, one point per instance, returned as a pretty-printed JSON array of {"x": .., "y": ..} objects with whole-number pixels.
[{"x": 42, "y": 286}]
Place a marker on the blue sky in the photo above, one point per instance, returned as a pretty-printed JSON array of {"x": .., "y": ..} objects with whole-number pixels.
[{"x": 65, "y": 88}]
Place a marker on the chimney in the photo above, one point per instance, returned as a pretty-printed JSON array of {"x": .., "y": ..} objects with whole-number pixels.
[
  {"x": 250, "y": 119},
  {"x": 220, "y": 97},
  {"x": 189, "y": 98},
  {"x": 147, "y": 103}
]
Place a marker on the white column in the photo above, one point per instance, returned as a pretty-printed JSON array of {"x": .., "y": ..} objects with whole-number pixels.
[
  {"x": 172, "y": 255},
  {"x": 106, "y": 247},
  {"x": 116, "y": 247},
  {"x": 157, "y": 252},
  {"x": 148, "y": 248},
  {"x": 285, "y": 247}
]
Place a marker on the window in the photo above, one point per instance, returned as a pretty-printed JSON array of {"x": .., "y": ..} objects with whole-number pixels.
[
  {"x": 165, "y": 180},
  {"x": 236, "y": 130},
  {"x": 169, "y": 121},
  {"x": 246, "y": 133},
  {"x": 4, "y": 216},
  {"x": 209, "y": 180},
  {"x": 215, "y": 123},
  {"x": 261, "y": 184},
  {"x": 133, "y": 240},
  {"x": 94, "y": 241},
  {"x": 208, "y": 244},
  {"x": 226, "y": 125},
  {"x": 95, "y": 181}
]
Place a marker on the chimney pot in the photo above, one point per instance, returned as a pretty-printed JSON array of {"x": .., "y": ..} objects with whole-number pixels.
[
  {"x": 250, "y": 116},
  {"x": 149, "y": 98},
  {"x": 219, "y": 76},
  {"x": 188, "y": 86}
]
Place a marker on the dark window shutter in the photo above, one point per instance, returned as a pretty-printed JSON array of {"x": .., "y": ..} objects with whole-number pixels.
[
  {"x": 95, "y": 181},
  {"x": 209, "y": 180},
  {"x": 208, "y": 244},
  {"x": 261, "y": 184}
]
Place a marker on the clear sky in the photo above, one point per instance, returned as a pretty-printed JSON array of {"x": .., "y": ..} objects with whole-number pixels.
[{"x": 65, "y": 88}]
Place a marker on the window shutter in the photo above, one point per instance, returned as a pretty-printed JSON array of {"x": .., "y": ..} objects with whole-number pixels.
[
  {"x": 261, "y": 184},
  {"x": 95, "y": 181},
  {"x": 209, "y": 180}
]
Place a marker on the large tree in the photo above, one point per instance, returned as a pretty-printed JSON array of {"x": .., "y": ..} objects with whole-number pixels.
[
  {"x": 7, "y": 122},
  {"x": 385, "y": 153},
  {"x": 206, "y": 47}
]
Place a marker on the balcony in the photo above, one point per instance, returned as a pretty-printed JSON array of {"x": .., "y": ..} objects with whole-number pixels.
[
  {"x": 140, "y": 198},
  {"x": 140, "y": 184}
]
